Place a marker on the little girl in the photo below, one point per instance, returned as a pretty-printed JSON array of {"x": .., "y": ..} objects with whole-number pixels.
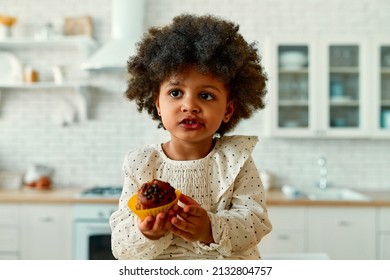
[{"x": 198, "y": 78}]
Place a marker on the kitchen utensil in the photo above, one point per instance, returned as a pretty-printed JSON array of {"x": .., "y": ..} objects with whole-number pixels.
[{"x": 10, "y": 68}]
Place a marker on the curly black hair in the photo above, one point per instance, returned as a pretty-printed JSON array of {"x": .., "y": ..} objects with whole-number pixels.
[{"x": 212, "y": 45}]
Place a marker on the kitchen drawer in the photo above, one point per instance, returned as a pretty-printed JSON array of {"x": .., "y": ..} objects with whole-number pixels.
[
  {"x": 292, "y": 218},
  {"x": 283, "y": 241},
  {"x": 9, "y": 214},
  {"x": 46, "y": 232},
  {"x": 343, "y": 233},
  {"x": 288, "y": 231},
  {"x": 384, "y": 218},
  {"x": 9, "y": 239}
]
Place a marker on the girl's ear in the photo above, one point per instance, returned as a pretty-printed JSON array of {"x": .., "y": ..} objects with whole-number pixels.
[
  {"x": 157, "y": 103},
  {"x": 229, "y": 111}
]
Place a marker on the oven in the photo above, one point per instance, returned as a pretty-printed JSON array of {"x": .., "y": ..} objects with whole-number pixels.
[{"x": 91, "y": 229}]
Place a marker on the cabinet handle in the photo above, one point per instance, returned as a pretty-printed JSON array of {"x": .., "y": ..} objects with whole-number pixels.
[
  {"x": 47, "y": 219},
  {"x": 283, "y": 237},
  {"x": 101, "y": 214},
  {"x": 344, "y": 223}
]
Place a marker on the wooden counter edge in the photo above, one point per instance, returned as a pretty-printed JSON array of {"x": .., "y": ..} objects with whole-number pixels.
[
  {"x": 377, "y": 199},
  {"x": 60, "y": 196},
  {"x": 273, "y": 198}
]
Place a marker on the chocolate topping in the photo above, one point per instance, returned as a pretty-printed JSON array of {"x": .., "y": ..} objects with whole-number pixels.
[{"x": 154, "y": 194}]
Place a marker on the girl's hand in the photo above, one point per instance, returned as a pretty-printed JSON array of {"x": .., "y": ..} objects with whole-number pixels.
[
  {"x": 155, "y": 228},
  {"x": 192, "y": 222}
]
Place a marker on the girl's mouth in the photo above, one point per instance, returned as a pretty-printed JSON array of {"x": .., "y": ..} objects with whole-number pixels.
[{"x": 190, "y": 123}]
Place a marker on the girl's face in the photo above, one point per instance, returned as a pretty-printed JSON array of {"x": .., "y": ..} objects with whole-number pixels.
[{"x": 192, "y": 105}]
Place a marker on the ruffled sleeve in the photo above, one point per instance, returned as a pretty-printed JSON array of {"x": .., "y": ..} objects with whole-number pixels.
[
  {"x": 230, "y": 156},
  {"x": 239, "y": 218}
]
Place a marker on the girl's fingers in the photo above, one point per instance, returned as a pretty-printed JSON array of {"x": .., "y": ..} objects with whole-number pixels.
[
  {"x": 187, "y": 200},
  {"x": 156, "y": 226},
  {"x": 191, "y": 208},
  {"x": 182, "y": 225},
  {"x": 184, "y": 213},
  {"x": 185, "y": 236},
  {"x": 146, "y": 224},
  {"x": 159, "y": 223}
]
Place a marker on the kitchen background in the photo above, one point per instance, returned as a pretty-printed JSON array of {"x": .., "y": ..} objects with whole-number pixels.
[{"x": 91, "y": 152}]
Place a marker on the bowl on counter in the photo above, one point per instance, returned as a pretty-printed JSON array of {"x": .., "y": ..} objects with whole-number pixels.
[{"x": 328, "y": 194}]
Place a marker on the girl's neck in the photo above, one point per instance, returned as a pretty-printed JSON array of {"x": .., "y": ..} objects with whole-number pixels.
[{"x": 178, "y": 150}]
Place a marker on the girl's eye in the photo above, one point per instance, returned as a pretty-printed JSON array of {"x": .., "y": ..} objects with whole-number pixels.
[
  {"x": 206, "y": 96},
  {"x": 175, "y": 93}
]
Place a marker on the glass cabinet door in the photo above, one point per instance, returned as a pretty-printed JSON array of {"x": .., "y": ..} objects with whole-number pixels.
[
  {"x": 384, "y": 105},
  {"x": 293, "y": 86},
  {"x": 320, "y": 87},
  {"x": 344, "y": 92}
]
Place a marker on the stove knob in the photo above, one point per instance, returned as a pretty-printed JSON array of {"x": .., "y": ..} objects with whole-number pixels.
[{"x": 101, "y": 214}]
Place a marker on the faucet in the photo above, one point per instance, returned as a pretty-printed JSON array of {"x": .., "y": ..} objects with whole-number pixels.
[{"x": 323, "y": 182}]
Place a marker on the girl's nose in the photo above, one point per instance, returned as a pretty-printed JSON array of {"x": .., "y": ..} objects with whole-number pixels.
[{"x": 190, "y": 105}]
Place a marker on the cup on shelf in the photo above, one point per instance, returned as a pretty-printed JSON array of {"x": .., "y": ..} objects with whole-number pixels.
[
  {"x": 339, "y": 122},
  {"x": 386, "y": 119},
  {"x": 336, "y": 89},
  {"x": 386, "y": 60},
  {"x": 58, "y": 75}
]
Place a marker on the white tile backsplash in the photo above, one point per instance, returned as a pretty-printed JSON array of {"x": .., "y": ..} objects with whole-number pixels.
[{"x": 91, "y": 152}]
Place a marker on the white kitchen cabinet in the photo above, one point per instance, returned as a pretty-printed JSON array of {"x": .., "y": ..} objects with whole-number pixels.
[
  {"x": 344, "y": 233},
  {"x": 291, "y": 86},
  {"x": 287, "y": 235},
  {"x": 46, "y": 232},
  {"x": 9, "y": 232},
  {"x": 318, "y": 87},
  {"x": 383, "y": 235},
  {"x": 380, "y": 117}
]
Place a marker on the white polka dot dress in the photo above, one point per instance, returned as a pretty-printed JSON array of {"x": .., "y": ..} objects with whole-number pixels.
[{"x": 225, "y": 182}]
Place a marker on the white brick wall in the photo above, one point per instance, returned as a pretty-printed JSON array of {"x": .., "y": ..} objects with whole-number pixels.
[{"x": 92, "y": 152}]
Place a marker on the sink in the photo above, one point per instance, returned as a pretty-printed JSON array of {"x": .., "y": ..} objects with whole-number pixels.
[{"x": 336, "y": 194}]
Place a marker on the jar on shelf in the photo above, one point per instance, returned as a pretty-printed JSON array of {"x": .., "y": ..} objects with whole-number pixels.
[{"x": 30, "y": 74}]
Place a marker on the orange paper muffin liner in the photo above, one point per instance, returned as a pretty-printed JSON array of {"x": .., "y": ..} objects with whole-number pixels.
[{"x": 142, "y": 214}]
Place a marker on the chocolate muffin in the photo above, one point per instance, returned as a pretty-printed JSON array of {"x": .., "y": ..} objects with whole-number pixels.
[{"x": 153, "y": 194}]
